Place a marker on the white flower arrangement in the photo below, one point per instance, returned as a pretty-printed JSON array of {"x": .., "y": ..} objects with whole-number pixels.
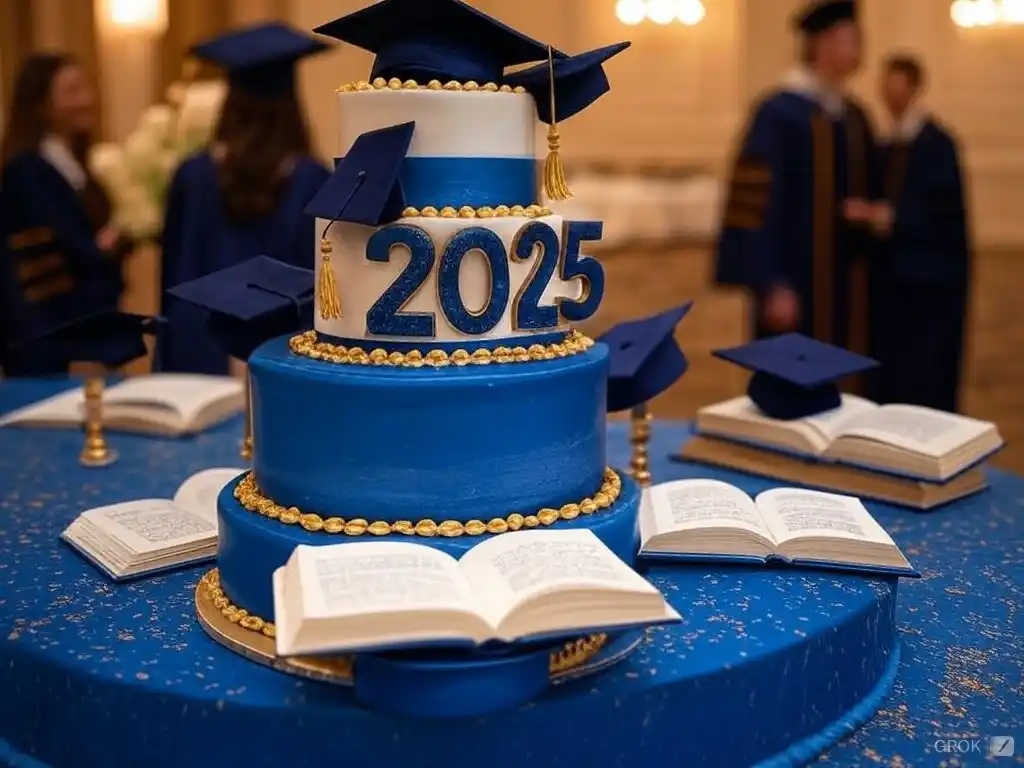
[{"x": 137, "y": 173}]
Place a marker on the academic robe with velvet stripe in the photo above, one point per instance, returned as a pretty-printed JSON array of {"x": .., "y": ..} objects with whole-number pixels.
[
  {"x": 53, "y": 269},
  {"x": 783, "y": 221},
  {"x": 199, "y": 239},
  {"x": 923, "y": 278}
]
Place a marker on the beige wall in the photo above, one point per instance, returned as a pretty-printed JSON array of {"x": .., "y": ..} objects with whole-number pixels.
[{"x": 680, "y": 94}]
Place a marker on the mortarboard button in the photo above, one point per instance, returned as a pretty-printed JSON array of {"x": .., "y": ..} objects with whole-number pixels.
[
  {"x": 365, "y": 187},
  {"x": 643, "y": 358},
  {"x": 795, "y": 376},
  {"x": 252, "y": 302},
  {"x": 580, "y": 80},
  {"x": 109, "y": 338},
  {"x": 442, "y": 40},
  {"x": 822, "y": 15},
  {"x": 260, "y": 58}
]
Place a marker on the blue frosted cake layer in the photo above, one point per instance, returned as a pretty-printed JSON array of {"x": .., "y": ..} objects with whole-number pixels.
[
  {"x": 251, "y": 547},
  {"x": 454, "y": 443}
]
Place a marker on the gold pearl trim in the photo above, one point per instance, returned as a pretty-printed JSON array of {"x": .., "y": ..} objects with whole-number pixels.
[
  {"x": 307, "y": 345},
  {"x": 571, "y": 655},
  {"x": 469, "y": 212},
  {"x": 394, "y": 84},
  {"x": 248, "y": 494}
]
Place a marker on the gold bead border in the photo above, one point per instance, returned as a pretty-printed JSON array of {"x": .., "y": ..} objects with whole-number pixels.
[
  {"x": 571, "y": 655},
  {"x": 469, "y": 212},
  {"x": 307, "y": 345},
  {"x": 248, "y": 494},
  {"x": 394, "y": 84}
]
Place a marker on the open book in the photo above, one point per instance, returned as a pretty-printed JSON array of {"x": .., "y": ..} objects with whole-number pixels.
[
  {"x": 714, "y": 521},
  {"x": 169, "y": 404},
  {"x": 136, "y": 538},
  {"x": 528, "y": 585},
  {"x": 904, "y": 440}
]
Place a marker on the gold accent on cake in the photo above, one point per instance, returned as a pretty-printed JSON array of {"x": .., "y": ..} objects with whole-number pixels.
[
  {"x": 394, "y": 84},
  {"x": 249, "y": 495},
  {"x": 572, "y": 654},
  {"x": 556, "y": 187},
  {"x": 326, "y": 285},
  {"x": 469, "y": 212},
  {"x": 307, "y": 345}
]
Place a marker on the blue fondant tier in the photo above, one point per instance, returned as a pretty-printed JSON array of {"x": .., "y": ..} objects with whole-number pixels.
[
  {"x": 453, "y": 443},
  {"x": 251, "y": 547}
]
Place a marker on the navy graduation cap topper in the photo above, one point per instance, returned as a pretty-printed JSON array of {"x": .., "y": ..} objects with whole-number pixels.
[
  {"x": 252, "y": 302},
  {"x": 441, "y": 40},
  {"x": 109, "y": 338},
  {"x": 795, "y": 376},
  {"x": 643, "y": 358},
  {"x": 260, "y": 58},
  {"x": 822, "y": 15}
]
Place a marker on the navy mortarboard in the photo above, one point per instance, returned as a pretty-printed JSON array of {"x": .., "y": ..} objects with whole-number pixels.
[
  {"x": 821, "y": 16},
  {"x": 252, "y": 302},
  {"x": 795, "y": 376},
  {"x": 445, "y": 40},
  {"x": 644, "y": 359},
  {"x": 260, "y": 58},
  {"x": 108, "y": 338}
]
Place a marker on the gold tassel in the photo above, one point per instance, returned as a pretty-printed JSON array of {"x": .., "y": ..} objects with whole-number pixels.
[
  {"x": 326, "y": 286},
  {"x": 555, "y": 185}
]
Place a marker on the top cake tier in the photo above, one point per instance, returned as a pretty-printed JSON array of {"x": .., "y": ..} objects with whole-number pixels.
[{"x": 474, "y": 144}]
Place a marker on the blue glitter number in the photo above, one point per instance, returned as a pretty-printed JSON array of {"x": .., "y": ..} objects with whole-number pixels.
[
  {"x": 527, "y": 314},
  {"x": 454, "y": 308},
  {"x": 573, "y": 266},
  {"x": 385, "y": 317}
]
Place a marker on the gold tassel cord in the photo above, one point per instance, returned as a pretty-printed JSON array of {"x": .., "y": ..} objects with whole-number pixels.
[
  {"x": 326, "y": 285},
  {"x": 555, "y": 185}
]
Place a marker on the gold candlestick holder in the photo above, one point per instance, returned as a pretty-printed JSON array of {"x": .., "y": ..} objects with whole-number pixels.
[
  {"x": 246, "y": 451},
  {"x": 95, "y": 452},
  {"x": 640, "y": 435}
]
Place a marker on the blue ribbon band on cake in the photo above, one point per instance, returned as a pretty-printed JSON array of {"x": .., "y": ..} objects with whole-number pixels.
[{"x": 473, "y": 181}]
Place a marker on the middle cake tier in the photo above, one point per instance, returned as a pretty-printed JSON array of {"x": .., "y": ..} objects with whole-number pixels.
[{"x": 458, "y": 442}]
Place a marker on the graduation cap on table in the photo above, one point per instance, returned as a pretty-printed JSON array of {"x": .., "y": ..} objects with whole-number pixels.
[
  {"x": 644, "y": 359},
  {"x": 251, "y": 302},
  {"x": 441, "y": 40},
  {"x": 795, "y": 376},
  {"x": 822, "y": 15},
  {"x": 563, "y": 87},
  {"x": 108, "y": 338},
  {"x": 365, "y": 188},
  {"x": 260, "y": 58}
]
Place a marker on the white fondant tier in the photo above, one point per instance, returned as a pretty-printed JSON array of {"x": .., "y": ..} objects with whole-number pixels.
[
  {"x": 471, "y": 124},
  {"x": 361, "y": 281}
]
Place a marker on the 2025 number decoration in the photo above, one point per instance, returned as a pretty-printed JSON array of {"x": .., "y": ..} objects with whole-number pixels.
[{"x": 387, "y": 316}]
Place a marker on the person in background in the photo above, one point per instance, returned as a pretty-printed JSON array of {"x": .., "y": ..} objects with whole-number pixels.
[
  {"x": 61, "y": 252},
  {"x": 244, "y": 195},
  {"x": 922, "y": 282},
  {"x": 796, "y": 229}
]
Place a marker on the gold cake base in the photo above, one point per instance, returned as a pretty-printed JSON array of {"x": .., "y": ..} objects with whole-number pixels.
[{"x": 576, "y": 659}]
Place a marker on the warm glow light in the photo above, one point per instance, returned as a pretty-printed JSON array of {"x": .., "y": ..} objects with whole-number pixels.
[
  {"x": 987, "y": 13},
  {"x": 661, "y": 11},
  {"x": 690, "y": 12},
  {"x": 630, "y": 11},
  {"x": 1012, "y": 11},
  {"x": 148, "y": 16}
]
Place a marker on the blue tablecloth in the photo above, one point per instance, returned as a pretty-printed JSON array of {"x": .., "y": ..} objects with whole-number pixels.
[{"x": 960, "y": 682}]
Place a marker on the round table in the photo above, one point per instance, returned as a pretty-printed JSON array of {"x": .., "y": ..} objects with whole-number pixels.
[{"x": 92, "y": 644}]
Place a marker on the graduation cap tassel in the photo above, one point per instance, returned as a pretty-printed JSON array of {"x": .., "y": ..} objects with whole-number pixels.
[
  {"x": 326, "y": 285},
  {"x": 555, "y": 185}
]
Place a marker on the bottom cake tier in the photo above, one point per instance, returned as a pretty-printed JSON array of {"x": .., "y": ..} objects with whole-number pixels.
[{"x": 256, "y": 537}]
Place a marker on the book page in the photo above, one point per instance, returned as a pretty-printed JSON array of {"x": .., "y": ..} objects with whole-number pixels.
[
  {"x": 185, "y": 394},
  {"x": 151, "y": 525},
  {"x": 683, "y": 505},
  {"x": 198, "y": 494},
  {"x": 514, "y": 567},
  {"x": 379, "y": 577},
  {"x": 793, "y": 513},
  {"x": 919, "y": 430},
  {"x": 831, "y": 423},
  {"x": 63, "y": 408}
]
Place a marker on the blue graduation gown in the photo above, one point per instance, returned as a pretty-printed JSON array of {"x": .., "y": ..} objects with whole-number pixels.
[
  {"x": 53, "y": 270},
  {"x": 783, "y": 220},
  {"x": 922, "y": 283},
  {"x": 199, "y": 239}
]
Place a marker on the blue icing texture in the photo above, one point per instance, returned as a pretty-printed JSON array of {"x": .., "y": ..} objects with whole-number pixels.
[
  {"x": 527, "y": 314},
  {"x": 461, "y": 318},
  {"x": 455, "y": 443},
  {"x": 385, "y": 317},
  {"x": 575, "y": 265},
  {"x": 252, "y": 547},
  {"x": 97, "y": 674}
]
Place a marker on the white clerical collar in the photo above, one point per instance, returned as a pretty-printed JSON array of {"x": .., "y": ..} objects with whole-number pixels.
[
  {"x": 803, "y": 81},
  {"x": 909, "y": 126},
  {"x": 57, "y": 153}
]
